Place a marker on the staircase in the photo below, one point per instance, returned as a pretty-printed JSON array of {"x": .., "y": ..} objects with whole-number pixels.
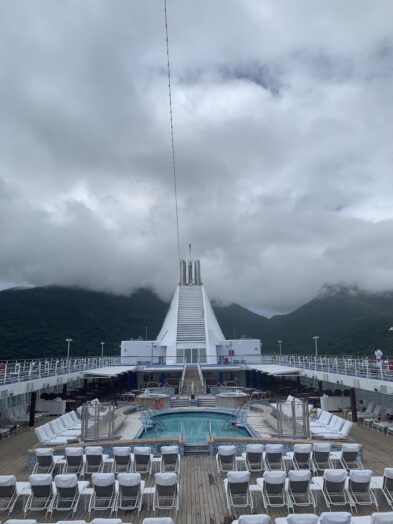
[
  {"x": 179, "y": 402},
  {"x": 191, "y": 315},
  {"x": 206, "y": 401},
  {"x": 192, "y": 384}
]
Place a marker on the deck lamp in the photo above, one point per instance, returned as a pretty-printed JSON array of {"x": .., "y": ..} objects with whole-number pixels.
[{"x": 68, "y": 340}]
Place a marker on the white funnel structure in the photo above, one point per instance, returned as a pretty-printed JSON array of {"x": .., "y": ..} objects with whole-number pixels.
[{"x": 190, "y": 331}]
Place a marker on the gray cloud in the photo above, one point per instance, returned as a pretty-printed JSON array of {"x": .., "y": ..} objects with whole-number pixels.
[{"x": 283, "y": 125}]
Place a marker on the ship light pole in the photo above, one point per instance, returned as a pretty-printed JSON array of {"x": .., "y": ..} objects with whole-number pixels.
[
  {"x": 316, "y": 350},
  {"x": 102, "y": 353},
  {"x": 68, "y": 340},
  {"x": 279, "y": 347}
]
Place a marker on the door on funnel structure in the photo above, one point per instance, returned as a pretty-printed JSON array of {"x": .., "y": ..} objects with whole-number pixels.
[{"x": 195, "y": 355}]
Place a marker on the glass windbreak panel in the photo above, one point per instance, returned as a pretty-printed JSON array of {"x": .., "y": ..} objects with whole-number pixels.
[
  {"x": 180, "y": 356},
  {"x": 202, "y": 356}
]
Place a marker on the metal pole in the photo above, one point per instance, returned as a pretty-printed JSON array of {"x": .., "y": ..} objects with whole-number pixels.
[
  {"x": 316, "y": 350},
  {"x": 102, "y": 353},
  {"x": 354, "y": 406},
  {"x": 279, "y": 345},
  {"x": 68, "y": 340}
]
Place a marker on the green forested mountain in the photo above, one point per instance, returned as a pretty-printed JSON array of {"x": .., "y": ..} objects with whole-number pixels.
[{"x": 36, "y": 322}]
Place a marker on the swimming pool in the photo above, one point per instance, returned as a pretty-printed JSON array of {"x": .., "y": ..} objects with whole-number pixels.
[{"x": 195, "y": 426}]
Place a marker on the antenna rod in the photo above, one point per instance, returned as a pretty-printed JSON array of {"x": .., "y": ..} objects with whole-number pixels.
[{"x": 172, "y": 133}]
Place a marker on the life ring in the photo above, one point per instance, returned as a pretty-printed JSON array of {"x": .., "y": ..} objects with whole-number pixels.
[{"x": 158, "y": 403}]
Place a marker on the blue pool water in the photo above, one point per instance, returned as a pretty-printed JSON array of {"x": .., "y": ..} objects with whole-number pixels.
[{"x": 195, "y": 426}]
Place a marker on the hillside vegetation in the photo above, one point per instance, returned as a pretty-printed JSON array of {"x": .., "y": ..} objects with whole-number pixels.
[{"x": 37, "y": 321}]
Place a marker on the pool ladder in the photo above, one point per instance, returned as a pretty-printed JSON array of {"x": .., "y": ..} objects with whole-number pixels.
[
  {"x": 150, "y": 420},
  {"x": 237, "y": 415}
]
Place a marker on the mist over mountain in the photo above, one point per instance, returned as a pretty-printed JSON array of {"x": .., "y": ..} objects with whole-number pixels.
[{"x": 36, "y": 321}]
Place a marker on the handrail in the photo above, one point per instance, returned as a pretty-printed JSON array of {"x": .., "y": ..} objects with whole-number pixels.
[
  {"x": 183, "y": 375},
  {"x": 201, "y": 379}
]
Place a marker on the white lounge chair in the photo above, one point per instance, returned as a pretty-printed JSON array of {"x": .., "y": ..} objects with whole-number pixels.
[
  {"x": 382, "y": 518},
  {"x": 74, "y": 461},
  {"x": 359, "y": 488},
  {"x": 366, "y": 413},
  {"x": 350, "y": 456},
  {"x": 342, "y": 434},
  {"x": 95, "y": 459},
  {"x": 237, "y": 490},
  {"x": 46, "y": 461},
  {"x": 335, "y": 517},
  {"x": 170, "y": 459},
  {"x": 122, "y": 459},
  {"x": 273, "y": 457},
  {"x": 20, "y": 521},
  {"x": 226, "y": 458},
  {"x": 334, "y": 488},
  {"x": 68, "y": 492},
  {"x": 321, "y": 456},
  {"x": 142, "y": 460},
  {"x": 299, "y": 518},
  {"x": 130, "y": 491},
  {"x": 273, "y": 489},
  {"x": 103, "y": 497},
  {"x": 301, "y": 458},
  {"x": 253, "y": 457},
  {"x": 252, "y": 519},
  {"x": 387, "y": 485},
  {"x": 166, "y": 495},
  {"x": 105, "y": 521},
  {"x": 41, "y": 493},
  {"x": 8, "y": 492},
  {"x": 158, "y": 520},
  {"x": 298, "y": 489}
]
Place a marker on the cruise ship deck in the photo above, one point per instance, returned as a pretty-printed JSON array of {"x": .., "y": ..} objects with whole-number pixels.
[{"x": 202, "y": 497}]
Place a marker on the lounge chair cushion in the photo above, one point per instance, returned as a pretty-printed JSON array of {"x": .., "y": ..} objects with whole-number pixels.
[
  {"x": 238, "y": 476},
  {"x": 335, "y": 517},
  {"x": 302, "y": 518},
  {"x": 254, "y": 519},
  {"x": 165, "y": 479},
  {"x": 129, "y": 479}
]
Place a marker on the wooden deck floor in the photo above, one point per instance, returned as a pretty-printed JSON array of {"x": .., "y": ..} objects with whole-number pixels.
[{"x": 202, "y": 498}]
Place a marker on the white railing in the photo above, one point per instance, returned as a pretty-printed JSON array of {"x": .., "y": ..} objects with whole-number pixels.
[
  {"x": 362, "y": 367},
  {"x": 12, "y": 371},
  {"x": 201, "y": 379}
]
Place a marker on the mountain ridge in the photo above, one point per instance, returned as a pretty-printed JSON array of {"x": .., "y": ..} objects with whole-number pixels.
[{"x": 36, "y": 321}]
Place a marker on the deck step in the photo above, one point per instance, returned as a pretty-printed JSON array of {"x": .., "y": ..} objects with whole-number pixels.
[
  {"x": 206, "y": 401},
  {"x": 179, "y": 402},
  {"x": 196, "y": 449}
]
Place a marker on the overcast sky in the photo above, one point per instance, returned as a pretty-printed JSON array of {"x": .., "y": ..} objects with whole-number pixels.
[{"x": 283, "y": 116}]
